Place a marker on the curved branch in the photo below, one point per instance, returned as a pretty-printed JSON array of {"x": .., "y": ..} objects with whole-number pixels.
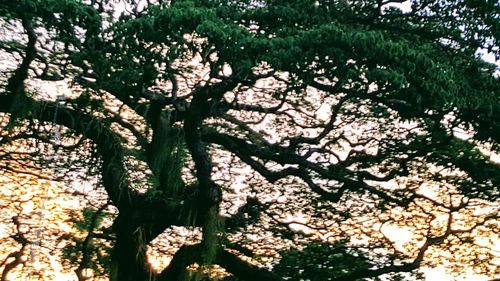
[
  {"x": 246, "y": 151},
  {"x": 189, "y": 254},
  {"x": 15, "y": 83},
  {"x": 17, "y": 255},
  {"x": 109, "y": 144}
]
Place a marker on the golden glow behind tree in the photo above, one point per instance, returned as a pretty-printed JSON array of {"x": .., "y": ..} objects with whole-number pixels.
[{"x": 337, "y": 121}]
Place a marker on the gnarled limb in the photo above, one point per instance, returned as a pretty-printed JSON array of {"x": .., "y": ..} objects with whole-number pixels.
[{"x": 189, "y": 254}]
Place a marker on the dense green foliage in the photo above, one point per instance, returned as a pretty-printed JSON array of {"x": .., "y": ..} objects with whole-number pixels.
[{"x": 310, "y": 128}]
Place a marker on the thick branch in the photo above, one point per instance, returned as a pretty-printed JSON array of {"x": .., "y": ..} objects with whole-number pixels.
[
  {"x": 231, "y": 262},
  {"x": 16, "y": 81},
  {"x": 109, "y": 144}
]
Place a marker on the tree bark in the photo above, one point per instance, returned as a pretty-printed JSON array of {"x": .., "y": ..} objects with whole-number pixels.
[{"x": 128, "y": 257}]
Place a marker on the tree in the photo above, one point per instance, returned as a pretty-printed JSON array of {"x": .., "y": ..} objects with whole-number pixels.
[{"x": 347, "y": 111}]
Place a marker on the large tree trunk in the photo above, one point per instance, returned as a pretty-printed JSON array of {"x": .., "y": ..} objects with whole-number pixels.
[{"x": 128, "y": 258}]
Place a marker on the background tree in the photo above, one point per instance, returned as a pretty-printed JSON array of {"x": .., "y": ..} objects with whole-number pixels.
[{"x": 335, "y": 119}]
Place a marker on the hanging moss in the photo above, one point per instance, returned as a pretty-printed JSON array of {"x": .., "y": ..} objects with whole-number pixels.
[{"x": 167, "y": 158}]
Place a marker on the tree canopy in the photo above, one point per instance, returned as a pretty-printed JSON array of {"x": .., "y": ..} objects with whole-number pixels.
[{"x": 302, "y": 139}]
